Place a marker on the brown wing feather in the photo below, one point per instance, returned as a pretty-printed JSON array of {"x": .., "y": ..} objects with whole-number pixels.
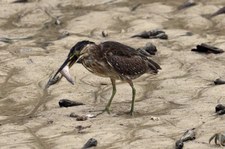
[
  {"x": 153, "y": 66},
  {"x": 117, "y": 49},
  {"x": 126, "y": 60},
  {"x": 127, "y": 66}
]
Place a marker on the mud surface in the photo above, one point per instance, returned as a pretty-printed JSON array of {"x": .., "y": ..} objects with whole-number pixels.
[{"x": 35, "y": 38}]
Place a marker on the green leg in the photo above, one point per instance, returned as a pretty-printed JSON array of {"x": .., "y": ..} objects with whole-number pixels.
[
  {"x": 113, "y": 94},
  {"x": 133, "y": 96}
]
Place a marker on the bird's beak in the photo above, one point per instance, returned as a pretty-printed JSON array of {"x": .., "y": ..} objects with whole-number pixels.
[{"x": 64, "y": 70}]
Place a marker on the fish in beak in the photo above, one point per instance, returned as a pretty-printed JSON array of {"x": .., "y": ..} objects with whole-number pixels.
[
  {"x": 64, "y": 71},
  {"x": 74, "y": 56}
]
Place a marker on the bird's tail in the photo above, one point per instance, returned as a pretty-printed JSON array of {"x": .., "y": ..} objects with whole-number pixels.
[{"x": 153, "y": 66}]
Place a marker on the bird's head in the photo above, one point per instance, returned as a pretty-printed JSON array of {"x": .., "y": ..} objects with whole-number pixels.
[{"x": 73, "y": 57}]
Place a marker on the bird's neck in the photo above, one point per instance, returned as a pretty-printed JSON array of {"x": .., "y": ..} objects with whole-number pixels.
[{"x": 90, "y": 50}]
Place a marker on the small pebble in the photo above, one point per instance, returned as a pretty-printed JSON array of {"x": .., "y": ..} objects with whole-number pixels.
[
  {"x": 73, "y": 115},
  {"x": 189, "y": 34},
  {"x": 82, "y": 118},
  {"x": 80, "y": 128},
  {"x": 154, "y": 118},
  {"x": 63, "y": 34},
  {"x": 105, "y": 34},
  {"x": 50, "y": 121},
  {"x": 57, "y": 21},
  {"x": 122, "y": 31},
  {"x": 90, "y": 115}
]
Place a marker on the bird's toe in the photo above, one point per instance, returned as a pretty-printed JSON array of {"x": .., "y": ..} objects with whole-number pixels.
[{"x": 106, "y": 110}]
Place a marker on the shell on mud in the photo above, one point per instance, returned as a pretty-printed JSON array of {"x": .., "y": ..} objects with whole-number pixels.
[
  {"x": 219, "y": 81},
  {"x": 148, "y": 49},
  {"x": 205, "y": 48},
  {"x": 90, "y": 143},
  {"x": 188, "y": 135},
  {"x": 179, "y": 144},
  {"x": 152, "y": 34},
  {"x": 220, "y": 109},
  {"x": 69, "y": 103}
]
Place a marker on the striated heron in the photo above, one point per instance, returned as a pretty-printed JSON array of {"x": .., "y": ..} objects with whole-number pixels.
[{"x": 109, "y": 59}]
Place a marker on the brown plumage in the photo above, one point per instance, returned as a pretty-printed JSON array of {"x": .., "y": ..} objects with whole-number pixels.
[{"x": 114, "y": 60}]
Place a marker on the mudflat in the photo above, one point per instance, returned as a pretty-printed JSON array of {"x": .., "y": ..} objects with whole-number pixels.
[{"x": 35, "y": 38}]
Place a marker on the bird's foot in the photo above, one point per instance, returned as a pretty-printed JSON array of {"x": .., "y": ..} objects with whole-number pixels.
[
  {"x": 103, "y": 111},
  {"x": 106, "y": 110},
  {"x": 131, "y": 112}
]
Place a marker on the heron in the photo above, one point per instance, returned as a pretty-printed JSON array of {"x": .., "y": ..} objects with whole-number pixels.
[{"x": 110, "y": 59}]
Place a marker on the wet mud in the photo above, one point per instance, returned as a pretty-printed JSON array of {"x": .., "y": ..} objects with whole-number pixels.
[{"x": 35, "y": 38}]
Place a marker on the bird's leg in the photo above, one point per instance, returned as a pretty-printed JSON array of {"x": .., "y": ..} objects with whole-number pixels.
[
  {"x": 133, "y": 96},
  {"x": 113, "y": 94}
]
